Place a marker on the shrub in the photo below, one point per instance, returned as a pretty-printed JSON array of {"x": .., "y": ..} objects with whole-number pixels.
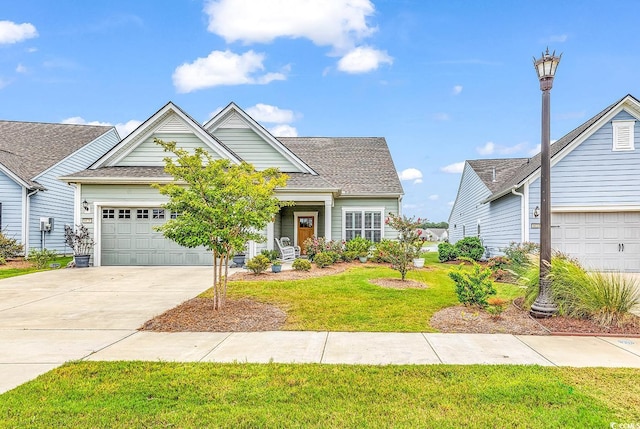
[
  {"x": 2, "y": 261},
  {"x": 447, "y": 252},
  {"x": 272, "y": 255},
  {"x": 323, "y": 260},
  {"x": 496, "y": 306},
  {"x": 498, "y": 263},
  {"x": 316, "y": 245},
  {"x": 301, "y": 265},
  {"x": 258, "y": 264},
  {"x": 470, "y": 247},
  {"x": 41, "y": 257},
  {"x": 9, "y": 247},
  {"x": 518, "y": 253},
  {"x": 382, "y": 251},
  {"x": 349, "y": 255},
  {"x": 360, "y": 245},
  {"x": 335, "y": 256},
  {"x": 473, "y": 287}
]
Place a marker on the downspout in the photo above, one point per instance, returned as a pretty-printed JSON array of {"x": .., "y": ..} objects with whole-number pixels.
[
  {"x": 522, "y": 213},
  {"x": 27, "y": 215}
]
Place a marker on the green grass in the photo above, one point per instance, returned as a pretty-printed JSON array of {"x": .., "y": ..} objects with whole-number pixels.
[
  {"x": 13, "y": 272},
  {"x": 349, "y": 302},
  {"x": 154, "y": 394}
]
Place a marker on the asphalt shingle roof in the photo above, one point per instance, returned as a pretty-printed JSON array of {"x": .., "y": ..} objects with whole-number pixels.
[
  {"x": 356, "y": 165},
  {"x": 29, "y": 148}
]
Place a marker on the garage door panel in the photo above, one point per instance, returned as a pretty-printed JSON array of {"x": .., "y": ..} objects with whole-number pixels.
[
  {"x": 596, "y": 239},
  {"x": 128, "y": 238}
]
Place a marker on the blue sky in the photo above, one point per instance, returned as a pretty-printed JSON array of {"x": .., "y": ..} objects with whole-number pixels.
[{"x": 442, "y": 81}]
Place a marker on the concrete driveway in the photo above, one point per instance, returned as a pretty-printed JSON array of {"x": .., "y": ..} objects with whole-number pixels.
[{"x": 51, "y": 317}]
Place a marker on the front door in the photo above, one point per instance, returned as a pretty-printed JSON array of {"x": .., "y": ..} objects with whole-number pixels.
[{"x": 305, "y": 230}]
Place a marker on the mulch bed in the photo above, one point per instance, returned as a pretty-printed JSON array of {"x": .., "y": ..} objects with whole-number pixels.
[
  {"x": 16, "y": 263},
  {"x": 198, "y": 315},
  {"x": 293, "y": 274},
  {"x": 398, "y": 283}
]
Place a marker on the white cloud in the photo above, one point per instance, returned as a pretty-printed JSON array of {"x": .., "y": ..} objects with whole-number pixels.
[
  {"x": 336, "y": 23},
  {"x": 3, "y": 83},
  {"x": 363, "y": 59},
  {"x": 270, "y": 114},
  {"x": 441, "y": 117},
  {"x": 223, "y": 68},
  {"x": 487, "y": 149},
  {"x": 21, "y": 69},
  {"x": 535, "y": 150},
  {"x": 457, "y": 167},
  {"x": 490, "y": 148},
  {"x": 123, "y": 128},
  {"x": 10, "y": 32},
  {"x": 434, "y": 197},
  {"x": 284, "y": 130},
  {"x": 451, "y": 203},
  {"x": 411, "y": 174},
  {"x": 558, "y": 38},
  {"x": 457, "y": 89}
]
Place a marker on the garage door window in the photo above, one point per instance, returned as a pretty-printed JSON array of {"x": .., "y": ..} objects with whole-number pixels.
[
  {"x": 158, "y": 214},
  {"x": 124, "y": 214},
  {"x": 108, "y": 213},
  {"x": 142, "y": 214}
]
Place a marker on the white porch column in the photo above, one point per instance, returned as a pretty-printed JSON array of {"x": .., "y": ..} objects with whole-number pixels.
[
  {"x": 270, "y": 235},
  {"x": 327, "y": 219}
]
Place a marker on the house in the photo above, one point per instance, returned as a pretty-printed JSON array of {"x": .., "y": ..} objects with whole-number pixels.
[
  {"x": 341, "y": 187},
  {"x": 434, "y": 234},
  {"x": 595, "y": 194},
  {"x": 34, "y": 205}
]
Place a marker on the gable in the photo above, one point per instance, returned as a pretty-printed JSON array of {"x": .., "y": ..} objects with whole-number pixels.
[
  {"x": 170, "y": 123},
  {"x": 252, "y": 148},
  {"x": 252, "y": 142}
]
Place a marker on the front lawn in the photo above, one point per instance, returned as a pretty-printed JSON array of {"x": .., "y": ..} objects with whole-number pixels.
[
  {"x": 349, "y": 302},
  {"x": 155, "y": 394},
  {"x": 8, "y": 270}
]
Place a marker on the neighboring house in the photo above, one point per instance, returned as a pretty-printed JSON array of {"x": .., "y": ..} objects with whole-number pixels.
[
  {"x": 595, "y": 194},
  {"x": 32, "y": 157},
  {"x": 341, "y": 187},
  {"x": 435, "y": 234}
]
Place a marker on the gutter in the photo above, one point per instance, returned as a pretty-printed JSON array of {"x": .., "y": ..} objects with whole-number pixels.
[{"x": 522, "y": 211}]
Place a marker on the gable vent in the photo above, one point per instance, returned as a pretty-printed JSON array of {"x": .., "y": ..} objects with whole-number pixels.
[
  {"x": 173, "y": 125},
  {"x": 623, "y": 133}
]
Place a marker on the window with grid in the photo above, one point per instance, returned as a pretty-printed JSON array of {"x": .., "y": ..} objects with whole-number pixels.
[
  {"x": 158, "y": 214},
  {"x": 124, "y": 214},
  {"x": 108, "y": 213},
  {"x": 142, "y": 214},
  {"x": 363, "y": 223}
]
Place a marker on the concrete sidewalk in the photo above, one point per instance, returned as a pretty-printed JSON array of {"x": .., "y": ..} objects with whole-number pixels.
[{"x": 49, "y": 318}]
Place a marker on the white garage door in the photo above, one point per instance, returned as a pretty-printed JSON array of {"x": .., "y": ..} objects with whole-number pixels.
[
  {"x": 600, "y": 240},
  {"x": 128, "y": 238}
]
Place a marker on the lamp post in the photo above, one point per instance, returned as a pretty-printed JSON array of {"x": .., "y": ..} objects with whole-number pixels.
[{"x": 546, "y": 69}]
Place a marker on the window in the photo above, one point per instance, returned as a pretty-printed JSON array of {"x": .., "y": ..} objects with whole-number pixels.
[
  {"x": 124, "y": 214},
  {"x": 365, "y": 223},
  {"x": 158, "y": 214},
  {"x": 142, "y": 214},
  {"x": 108, "y": 213},
  {"x": 174, "y": 215},
  {"x": 623, "y": 133}
]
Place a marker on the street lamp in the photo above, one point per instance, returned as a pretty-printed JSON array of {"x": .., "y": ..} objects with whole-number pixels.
[{"x": 546, "y": 69}]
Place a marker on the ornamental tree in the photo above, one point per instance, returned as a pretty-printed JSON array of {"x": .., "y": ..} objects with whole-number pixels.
[
  {"x": 220, "y": 206},
  {"x": 402, "y": 252}
]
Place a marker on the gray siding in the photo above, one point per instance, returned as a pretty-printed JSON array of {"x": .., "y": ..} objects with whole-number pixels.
[
  {"x": 467, "y": 210},
  {"x": 57, "y": 200},
  {"x": 11, "y": 199},
  {"x": 390, "y": 205},
  {"x": 593, "y": 174},
  {"x": 149, "y": 154},
  {"x": 253, "y": 149},
  {"x": 500, "y": 223}
]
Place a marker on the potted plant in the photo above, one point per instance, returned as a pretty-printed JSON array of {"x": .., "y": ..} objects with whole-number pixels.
[
  {"x": 238, "y": 260},
  {"x": 80, "y": 241},
  {"x": 363, "y": 256},
  {"x": 361, "y": 246},
  {"x": 276, "y": 265}
]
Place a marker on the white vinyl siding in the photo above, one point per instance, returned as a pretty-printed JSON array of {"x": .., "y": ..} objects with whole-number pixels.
[
  {"x": 11, "y": 195},
  {"x": 623, "y": 133}
]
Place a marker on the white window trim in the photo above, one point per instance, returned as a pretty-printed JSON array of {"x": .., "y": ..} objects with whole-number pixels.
[
  {"x": 362, "y": 209},
  {"x": 618, "y": 144},
  {"x": 296, "y": 215}
]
